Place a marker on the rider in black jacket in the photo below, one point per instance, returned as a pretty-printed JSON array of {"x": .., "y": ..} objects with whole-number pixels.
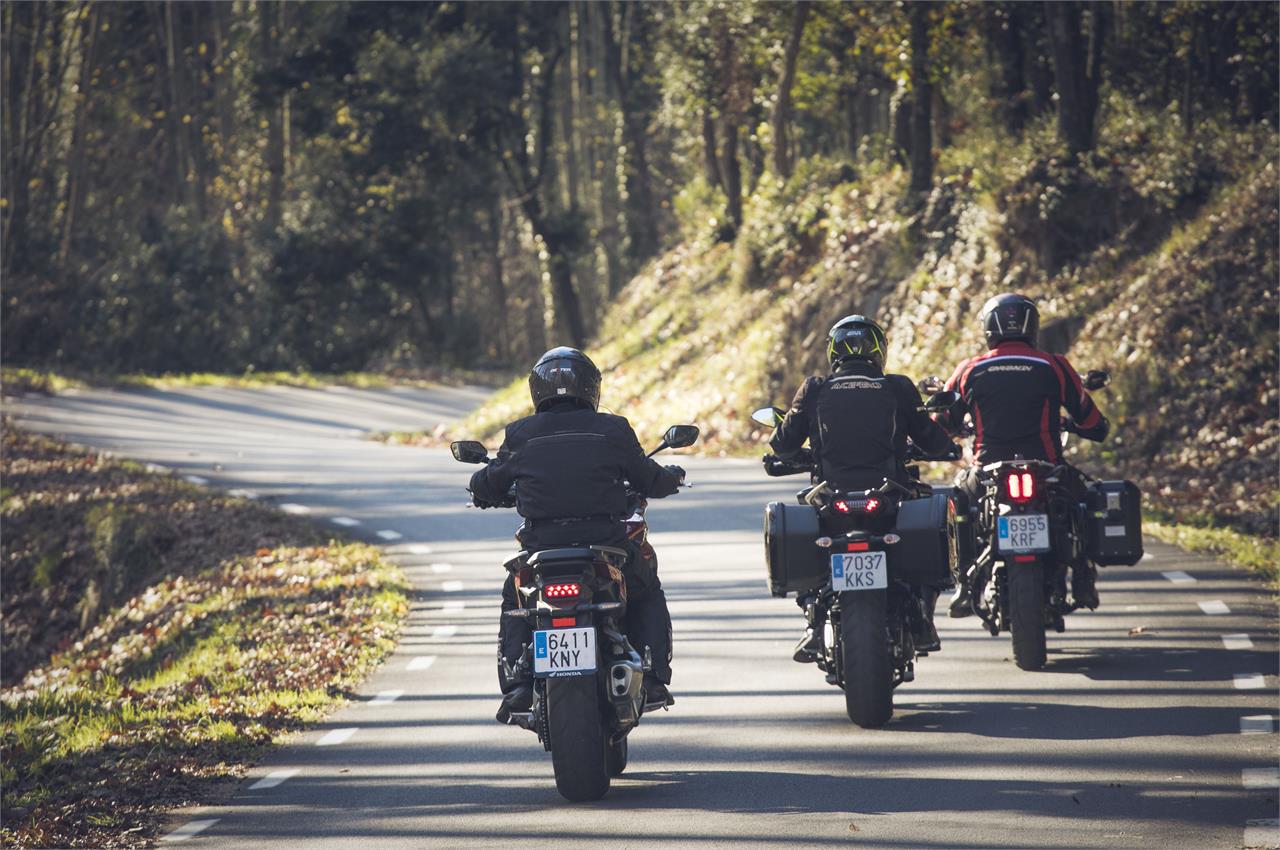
[
  {"x": 857, "y": 421},
  {"x": 1015, "y": 394},
  {"x": 568, "y": 464}
]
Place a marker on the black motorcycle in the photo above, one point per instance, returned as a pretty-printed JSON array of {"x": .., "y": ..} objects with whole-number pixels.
[
  {"x": 588, "y": 678},
  {"x": 1033, "y": 523},
  {"x": 866, "y": 567}
]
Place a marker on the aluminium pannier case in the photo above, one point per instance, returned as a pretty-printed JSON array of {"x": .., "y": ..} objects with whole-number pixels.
[
  {"x": 927, "y": 551},
  {"x": 795, "y": 561},
  {"x": 1114, "y": 523}
]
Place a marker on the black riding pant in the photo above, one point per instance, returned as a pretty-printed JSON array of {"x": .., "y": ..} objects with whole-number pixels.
[{"x": 647, "y": 621}]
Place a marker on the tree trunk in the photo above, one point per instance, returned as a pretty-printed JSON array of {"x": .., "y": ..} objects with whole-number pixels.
[
  {"x": 921, "y": 102},
  {"x": 710, "y": 154},
  {"x": 1077, "y": 66},
  {"x": 783, "y": 159},
  {"x": 269, "y": 35},
  {"x": 1005, "y": 24},
  {"x": 75, "y": 164},
  {"x": 731, "y": 169}
]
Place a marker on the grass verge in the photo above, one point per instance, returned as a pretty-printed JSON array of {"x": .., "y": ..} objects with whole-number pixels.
[
  {"x": 158, "y": 638},
  {"x": 1258, "y": 554}
]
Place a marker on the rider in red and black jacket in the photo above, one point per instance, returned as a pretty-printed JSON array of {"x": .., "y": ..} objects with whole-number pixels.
[{"x": 1015, "y": 394}]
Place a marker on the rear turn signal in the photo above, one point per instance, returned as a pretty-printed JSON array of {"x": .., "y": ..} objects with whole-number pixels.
[
  {"x": 1021, "y": 486},
  {"x": 562, "y": 591}
]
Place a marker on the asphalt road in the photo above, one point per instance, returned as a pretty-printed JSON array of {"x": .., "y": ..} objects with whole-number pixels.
[{"x": 1162, "y": 739}]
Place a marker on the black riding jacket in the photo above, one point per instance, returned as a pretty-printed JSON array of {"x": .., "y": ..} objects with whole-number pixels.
[
  {"x": 857, "y": 422},
  {"x": 569, "y": 463},
  {"x": 1015, "y": 394}
]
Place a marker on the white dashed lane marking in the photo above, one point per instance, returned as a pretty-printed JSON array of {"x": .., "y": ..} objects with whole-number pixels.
[
  {"x": 1262, "y": 833},
  {"x": 422, "y": 662},
  {"x": 274, "y": 778},
  {"x": 1257, "y": 724},
  {"x": 337, "y": 736},
  {"x": 196, "y": 479},
  {"x": 242, "y": 494},
  {"x": 345, "y": 521},
  {"x": 386, "y": 697},
  {"x": 1250, "y": 681},
  {"x": 387, "y": 534},
  {"x": 451, "y": 586},
  {"x": 1237, "y": 642},
  {"x": 291, "y": 508},
  {"x": 188, "y": 830},
  {"x": 441, "y": 568},
  {"x": 1214, "y": 606},
  {"x": 454, "y": 605},
  {"x": 1179, "y": 577},
  {"x": 1260, "y": 777},
  {"x": 420, "y": 549},
  {"x": 442, "y": 632}
]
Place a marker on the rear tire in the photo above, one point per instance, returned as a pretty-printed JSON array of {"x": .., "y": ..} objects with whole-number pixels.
[
  {"x": 617, "y": 758},
  {"x": 864, "y": 647},
  {"x": 579, "y": 739},
  {"x": 1026, "y": 616}
]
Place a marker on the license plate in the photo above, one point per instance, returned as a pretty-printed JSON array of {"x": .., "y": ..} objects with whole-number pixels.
[
  {"x": 1023, "y": 533},
  {"x": 859, "y": 571},
  {"x": 564, "y": 652}
]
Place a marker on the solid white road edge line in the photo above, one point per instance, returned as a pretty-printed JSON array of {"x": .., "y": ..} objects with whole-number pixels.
[
  {"x": 1237, "y": 642},
  {"x": 1260, "y": 777},
  {"x": 441, "y": 632},
  {"x": 1250, "y": 681},
  {"x": 387, "y": 534},
  {"x": 1179, "y": 577},
  {"x": 188, "y": 830},
  {"x": 337, "y": 736},
  {"x": 1214, "y": 606},
  {"x": 345, "y": 521},
  {"x": 421, "y": 662},
  {"x": 441, "y": 568},
  {"x": 292, "y": 508},
  {"x": 1257, "y": 724},
  {"x": 451, "y": 586},
  {"x": 386, "y": 697},
  {"x": 274, "y": 778},
  {"x": 1262, "y": 833}
]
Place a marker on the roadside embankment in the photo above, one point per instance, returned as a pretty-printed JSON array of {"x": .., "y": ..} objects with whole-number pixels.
[{"x": 158, "y": 636}]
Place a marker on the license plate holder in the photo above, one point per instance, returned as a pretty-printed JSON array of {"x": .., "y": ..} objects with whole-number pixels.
[
  {"x": 859, "y": 571},
  {"x": 564, "y": 652},
  {"x": 1022, "y": 533}
]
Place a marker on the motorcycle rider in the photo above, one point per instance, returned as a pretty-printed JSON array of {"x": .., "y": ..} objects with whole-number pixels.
[
  {"x": 568, "y": 463},
  {"x": 857, "y": 421},
  {"x": 1015, "y": 393}
]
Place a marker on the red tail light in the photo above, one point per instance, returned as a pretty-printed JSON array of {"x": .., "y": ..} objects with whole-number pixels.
[
  {"x": 1021, "y": 486},
  {"x": 841, "y": 506},
  {"x": 562, "y": 591},
  {"x": 872, "y": 505}
]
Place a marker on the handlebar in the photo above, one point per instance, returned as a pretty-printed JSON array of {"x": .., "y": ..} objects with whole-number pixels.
[{"x": 802, "y": 462}]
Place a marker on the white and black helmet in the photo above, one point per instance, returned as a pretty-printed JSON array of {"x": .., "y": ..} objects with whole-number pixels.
[
  {"x": 564, "y": 373},
  {"x": 1008, "y": 317}
]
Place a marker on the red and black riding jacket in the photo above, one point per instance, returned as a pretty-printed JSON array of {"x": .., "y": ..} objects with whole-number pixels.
[{"x": 1015, "y": 394}]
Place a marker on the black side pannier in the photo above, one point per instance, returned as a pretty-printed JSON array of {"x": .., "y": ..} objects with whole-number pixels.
[
  {"x": 1113, "y": 523},
  {"x": 926, "y": 553},
  {"x": 795, "y": 561}
]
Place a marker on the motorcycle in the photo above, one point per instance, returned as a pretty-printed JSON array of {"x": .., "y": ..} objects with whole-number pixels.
[
  {"x": 1029, "y": 528},
  {"x": 867, "y": 566},
  {"x": 588, "y": 680}
]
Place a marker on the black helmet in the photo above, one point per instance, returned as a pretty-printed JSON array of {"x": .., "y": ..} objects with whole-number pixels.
[
  {"x": 1008, "y": 317},
  {"x": 564, "y": 372},
  {"x": 856, "y": 337}
]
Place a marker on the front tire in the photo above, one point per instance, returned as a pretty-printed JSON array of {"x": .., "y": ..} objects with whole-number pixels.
[
  {"x": 579, "y": 739},
  {"x": 1026, "y": 616},
  {"x": 864, "y": 647}
]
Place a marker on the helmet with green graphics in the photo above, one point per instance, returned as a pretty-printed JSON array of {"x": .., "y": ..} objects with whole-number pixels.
[{"x": 856, "y": 338}]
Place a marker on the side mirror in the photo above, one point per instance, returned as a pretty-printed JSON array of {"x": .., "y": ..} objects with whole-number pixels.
[
  {"x": 768, "y": 416},
  {"x": 930, "y": 385},
  {"x": 679, "y": 436},
  {"x": 1096, "y": 379},
  {"x": 941, "y": 401},
  {"x": 469, "y": 451}
]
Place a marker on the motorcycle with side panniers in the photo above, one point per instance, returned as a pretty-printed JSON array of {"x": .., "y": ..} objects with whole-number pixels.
[
  {"x": 588, "y": 679},
  {"x": 1031, "y": 524},
  {"x": 866, "y": 566}
]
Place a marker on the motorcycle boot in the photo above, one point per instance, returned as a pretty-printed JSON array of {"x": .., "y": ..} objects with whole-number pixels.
[
  {"x": 961, "y": 605},
  {"x": 518, "y": 699},
  {"x": 1084, "y": 590},
  {"x": 926, "y": 637},
  {"x": 809, "y": 649},
  {"x": 656, "y": 694}
]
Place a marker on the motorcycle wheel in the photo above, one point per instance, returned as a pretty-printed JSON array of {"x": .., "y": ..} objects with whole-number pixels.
[
  {"x": 864, "y": 649},
  {"x": 579, "y": 739},
  {"x": 617, "y": 758},
  {"x": 1026, "y": 616}
]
